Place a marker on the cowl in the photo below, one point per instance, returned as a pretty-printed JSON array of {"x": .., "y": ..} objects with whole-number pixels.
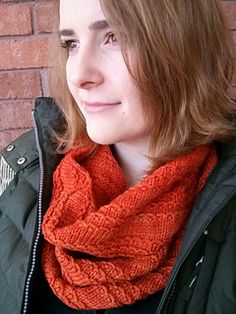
[{"x": 107, "y": 245}]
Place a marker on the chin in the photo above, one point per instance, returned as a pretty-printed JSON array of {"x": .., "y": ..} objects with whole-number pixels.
[{"x": 101, "y": 139}]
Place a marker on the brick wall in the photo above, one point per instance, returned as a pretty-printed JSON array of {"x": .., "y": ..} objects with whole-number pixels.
[{"x": 25, "y": 28}]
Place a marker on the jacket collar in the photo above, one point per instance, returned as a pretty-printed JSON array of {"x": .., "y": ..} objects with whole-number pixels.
[{"x": 219, "y": 189}]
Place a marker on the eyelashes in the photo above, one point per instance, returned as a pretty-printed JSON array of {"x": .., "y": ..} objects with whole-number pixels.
[
  {"x": 111, "y": 38},
  {"x": 71, "y": 44}
]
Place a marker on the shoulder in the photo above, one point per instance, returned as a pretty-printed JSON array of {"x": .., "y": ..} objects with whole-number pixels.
[
  {"x": 225, "y": 168},
  {"x": 19, "y": 181},
  {"x": 17, "y": 157},
  {"x": 21, "y": 157}
]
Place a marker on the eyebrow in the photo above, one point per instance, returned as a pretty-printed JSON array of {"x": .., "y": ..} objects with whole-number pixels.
[
  {"x": 97, "y": 26},
  {"x": 66, "y": 32}
]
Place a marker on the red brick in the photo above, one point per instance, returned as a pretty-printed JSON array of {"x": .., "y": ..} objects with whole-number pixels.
[
  {"x": 44, "y": 82},
  {"x": 26, "y": 53},
  {"x": 17, "y": 114},
  {"x": 9, "y": 135},
  {"x": 15, "y": 85},
  {"x": 15, "y": 20},
  {"x": 230, "y": 11},
  {"x": 44, "y": 17}
]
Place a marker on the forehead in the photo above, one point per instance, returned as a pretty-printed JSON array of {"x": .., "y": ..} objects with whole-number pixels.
[{"x": 79, "y": 13}]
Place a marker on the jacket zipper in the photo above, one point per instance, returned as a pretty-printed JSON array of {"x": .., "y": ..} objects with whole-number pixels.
[
  {"x": 38, "y": 222},
  {"x": 171, "y": 285},
  {"x": 169, "y": 297}
]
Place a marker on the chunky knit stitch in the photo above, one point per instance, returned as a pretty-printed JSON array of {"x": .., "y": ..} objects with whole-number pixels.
[{"x": 106, "y": 245}]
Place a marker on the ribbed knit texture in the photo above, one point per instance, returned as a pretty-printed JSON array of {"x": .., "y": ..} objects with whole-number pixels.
[{"x": 107, "y": 245}]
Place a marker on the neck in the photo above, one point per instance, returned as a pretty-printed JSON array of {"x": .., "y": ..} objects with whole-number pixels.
[{"x": 133, "y": 160}]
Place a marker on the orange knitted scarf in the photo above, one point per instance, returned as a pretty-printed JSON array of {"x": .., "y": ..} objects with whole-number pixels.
[{"x": 106, "y": 245}]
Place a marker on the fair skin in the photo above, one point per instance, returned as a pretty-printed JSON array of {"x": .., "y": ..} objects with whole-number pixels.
[{"x": 101, "y": 84}]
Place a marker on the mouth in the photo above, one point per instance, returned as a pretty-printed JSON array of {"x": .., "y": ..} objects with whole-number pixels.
[{"x": 95, "y": 107}]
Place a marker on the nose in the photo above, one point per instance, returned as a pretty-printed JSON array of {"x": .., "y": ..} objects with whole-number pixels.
[{"x": 84, "y": 70}]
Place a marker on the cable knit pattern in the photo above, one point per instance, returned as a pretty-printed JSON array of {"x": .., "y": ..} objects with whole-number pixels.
[{"x": 106, "y": 245}]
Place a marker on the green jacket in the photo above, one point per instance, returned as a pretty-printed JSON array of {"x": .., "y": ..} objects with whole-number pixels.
[{"x": 203, "y": 280}]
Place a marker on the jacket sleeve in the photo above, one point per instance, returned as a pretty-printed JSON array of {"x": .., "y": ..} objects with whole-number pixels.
[
  {"x": 19, "y": 180},
  {"x": 15, "y": 158}
]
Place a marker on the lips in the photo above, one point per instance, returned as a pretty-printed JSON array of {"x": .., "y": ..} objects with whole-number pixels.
[{"x": 95, "y": 107}]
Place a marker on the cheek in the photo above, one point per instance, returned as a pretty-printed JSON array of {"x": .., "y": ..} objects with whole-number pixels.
[
  {"x": 69, "y": 78},
  {"x": 72, "y": 87},
  {"x": 124, "y": 82},
  {"x": 68, "y": 72},
  {"x": 130, "y": 91}
]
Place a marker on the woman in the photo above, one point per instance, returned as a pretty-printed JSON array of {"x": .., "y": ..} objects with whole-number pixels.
[{"x": 140, "y": 214}]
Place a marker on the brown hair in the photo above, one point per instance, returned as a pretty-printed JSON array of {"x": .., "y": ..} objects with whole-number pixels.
[{"x": 182, "y": 63}]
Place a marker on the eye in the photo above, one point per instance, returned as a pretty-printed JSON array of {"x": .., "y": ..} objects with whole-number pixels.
[
  {"x": 110, "y": 38},
  {"x": 70, "y": 44}
]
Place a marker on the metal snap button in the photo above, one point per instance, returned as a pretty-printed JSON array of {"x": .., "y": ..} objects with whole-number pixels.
[
  {"x": 21, "y": 161},
  {"x": 205, "y": 232},
  {"x": 10, "y": 147}
]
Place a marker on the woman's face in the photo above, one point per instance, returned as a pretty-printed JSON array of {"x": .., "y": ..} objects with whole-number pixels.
[{"x": 97, "y": 75}]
